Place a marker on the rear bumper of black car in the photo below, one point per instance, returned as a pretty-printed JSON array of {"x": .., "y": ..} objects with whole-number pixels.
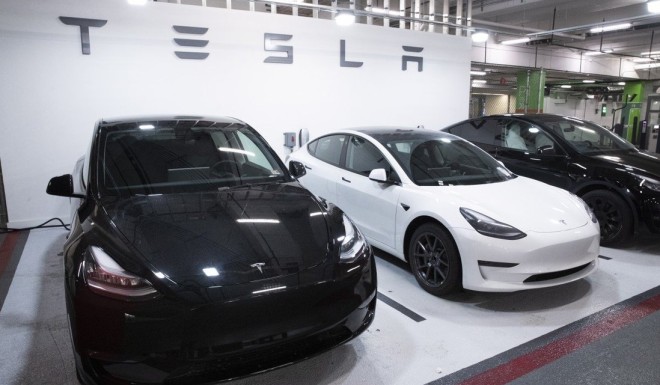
[{"x": 165, "y": 342}]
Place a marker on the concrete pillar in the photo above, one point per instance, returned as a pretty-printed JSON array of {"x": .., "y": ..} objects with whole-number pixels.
[{"x": 531, "y": 85}]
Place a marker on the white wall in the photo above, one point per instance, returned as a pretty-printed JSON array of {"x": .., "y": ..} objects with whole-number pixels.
[
  {"x": 587, "y": 109},
  {"x": 52, "y": 94}
]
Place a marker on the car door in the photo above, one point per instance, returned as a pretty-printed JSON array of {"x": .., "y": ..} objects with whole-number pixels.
[
  {"x": 323, "y": 166},
  {"x": 372, "y": 205}
]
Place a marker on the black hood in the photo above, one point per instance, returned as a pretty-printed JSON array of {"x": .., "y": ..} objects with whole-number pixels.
[
  {"x": 639, "y": 162},
  {"x": 245, "y": 234}
]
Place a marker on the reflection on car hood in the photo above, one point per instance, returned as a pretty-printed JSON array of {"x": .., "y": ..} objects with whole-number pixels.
[
  {"x": 526, "y": 204},
  {"x": 226, "y": 237},
  {"x": 638, "y": 162}
]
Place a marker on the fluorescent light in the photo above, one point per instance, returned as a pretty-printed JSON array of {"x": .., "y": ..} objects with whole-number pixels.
[
  {"x": 267, "y": 290},
  {"x": 588, "y": 81},
  {"x": 565, "y": 86},
  {"x": 477, "y": 73},
  {"x": 479, "y": 81},
  {"x": 257, "y": 221},
  {"x": 653, "y": 6},
  {"x": 146, "y": 126},
  {"x": 621, "y": 84},
  {"x": 344, "y": 18},
  {"x": 211, "y": 272},
  {"x": 596, "y": 53},
  {"x": 480, "y": 37},
  {"x": 590, "y": 96},
  {"x": 642, "y": 60},
  {"x": 385, "y": 11},
  {"x": 137, "y": 2},
  {"x": 516, "y": 41},
  {"x": 613, "y": 27},
  {"x": 650, "y": 53}
]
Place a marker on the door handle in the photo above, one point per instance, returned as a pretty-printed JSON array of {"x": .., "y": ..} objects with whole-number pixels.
[{"x": 345, "y": 180}]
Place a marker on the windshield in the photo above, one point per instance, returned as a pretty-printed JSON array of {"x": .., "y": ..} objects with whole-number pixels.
[
  {"x": 177, "y": 156},
  {"x": 433, "y": 160},
  {"x": 585, "y": 137}
]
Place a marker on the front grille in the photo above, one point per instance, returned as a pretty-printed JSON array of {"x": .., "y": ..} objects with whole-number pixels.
[{"x": 554, "y": 274}]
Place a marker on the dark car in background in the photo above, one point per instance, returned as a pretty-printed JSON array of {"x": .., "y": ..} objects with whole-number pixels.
[
  {"x": 620, "y": 183},
  {"x": 194, "y": 256}
]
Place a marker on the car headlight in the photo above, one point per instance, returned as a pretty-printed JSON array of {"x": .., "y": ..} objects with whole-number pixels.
[
  {"x": 589, "y": 211},
  {"x": 649, "y": 183},
  {"x": 105, "y": 277},
  {"x": 352, "y": 243},
  {"x": 489, "y": 227}
]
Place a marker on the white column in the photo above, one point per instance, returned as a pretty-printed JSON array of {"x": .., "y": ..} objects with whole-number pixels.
[{"x": 445, "y": 16}]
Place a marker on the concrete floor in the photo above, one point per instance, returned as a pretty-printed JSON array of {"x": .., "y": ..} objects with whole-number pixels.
[{"x": 421, "y": 339}]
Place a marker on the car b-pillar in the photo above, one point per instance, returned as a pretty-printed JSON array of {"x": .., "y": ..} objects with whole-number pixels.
[{"x": 531, "y": 85}]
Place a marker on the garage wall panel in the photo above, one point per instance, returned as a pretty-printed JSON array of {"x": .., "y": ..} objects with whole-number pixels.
[{"x": 52, "y": 94}]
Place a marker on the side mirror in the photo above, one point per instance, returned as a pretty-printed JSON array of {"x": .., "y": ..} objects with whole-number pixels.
[
  {"x": 62, "y": 186},
  {"x": 297, "y": 169},
  {"x": 379, "y": 175}
]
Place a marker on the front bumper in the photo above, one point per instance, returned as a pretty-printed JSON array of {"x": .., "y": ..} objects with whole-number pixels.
[
  {"x": 536, "y": 261},
  {"x": 651, "y": 210},
  {"x": 167, "y": 342}
]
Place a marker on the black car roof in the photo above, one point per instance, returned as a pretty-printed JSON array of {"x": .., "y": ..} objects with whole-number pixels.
[{"x": 178, "y": 118}]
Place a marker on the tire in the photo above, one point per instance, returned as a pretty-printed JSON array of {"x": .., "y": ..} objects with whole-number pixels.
[
  {"x": 434, "y": 260},
  {"x": 614, "y": 216}
]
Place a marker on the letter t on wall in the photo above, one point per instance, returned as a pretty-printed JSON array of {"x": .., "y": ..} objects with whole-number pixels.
[{"x": 84, "y": 25}]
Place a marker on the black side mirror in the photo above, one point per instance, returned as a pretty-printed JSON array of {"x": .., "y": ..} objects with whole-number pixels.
[
  {"x": 62, "y": 186},
  {"x": 297, "y": 169}
]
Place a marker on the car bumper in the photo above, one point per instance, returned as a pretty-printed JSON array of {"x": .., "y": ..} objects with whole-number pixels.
[
  {"x": 536, "y": 261},
  {"x": 651, "y": 211},
  {"x": 165, "y": 342}
]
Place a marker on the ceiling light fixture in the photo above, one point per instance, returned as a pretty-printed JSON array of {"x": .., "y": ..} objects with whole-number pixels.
[
  {"x": 516, "y": 41},
  {"x": 137, "y": 2},
  {"x": 642, "y": 60},
  {"x": 601, "y": 52},
  {"x": 588, "y": 81},
  {"x": 565, "y": 86},
  {"x": 609, "y": 28},
  {"x": 479, "y": 81},
  {"x": 479, "y": 37},
  {"x": 477, "y": 73},
  {"x": 385, "y": 11},
  {"x": 345, "y": 18},
  {"x": 653, "y": 6},
  {"x": 621, "y": 84}
]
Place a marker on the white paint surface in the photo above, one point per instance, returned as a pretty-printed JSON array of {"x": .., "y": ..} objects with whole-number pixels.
[{"x": 51, "y": 94}]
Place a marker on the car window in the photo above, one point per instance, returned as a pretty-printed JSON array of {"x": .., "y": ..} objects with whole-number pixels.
[
  {"x": 480, "y": 131},
  {"x": 528, "y": 137},
  {"x": 329, "y": 148},
  {"x": 165, "y": 158},
  {"x": 443, "y": 161},
  {"x": 362, "y": 156},
  {"x": 585, "y": 137}
]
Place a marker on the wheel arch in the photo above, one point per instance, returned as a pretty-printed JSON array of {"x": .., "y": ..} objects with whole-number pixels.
[
  {"x": 621, "y": 193},
  {"x": 415, "y": 224}
]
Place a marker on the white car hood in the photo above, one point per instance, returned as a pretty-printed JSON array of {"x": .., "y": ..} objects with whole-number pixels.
[{"x": 523, "y": 203}]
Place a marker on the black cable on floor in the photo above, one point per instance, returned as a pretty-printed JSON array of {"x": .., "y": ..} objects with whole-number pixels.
[{"x": 5, "y": 230}]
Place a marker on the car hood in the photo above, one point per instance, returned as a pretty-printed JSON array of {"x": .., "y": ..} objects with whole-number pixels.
[
  {"x": 524, "y": 203},
  {"x": 226, "y": 237},
  {"x": 638, "y": 162}
]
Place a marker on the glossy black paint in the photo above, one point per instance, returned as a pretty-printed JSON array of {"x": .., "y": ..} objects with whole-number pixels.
[
  {"x": 200, "y": 328},
  {"x": 620, "y": 172}
]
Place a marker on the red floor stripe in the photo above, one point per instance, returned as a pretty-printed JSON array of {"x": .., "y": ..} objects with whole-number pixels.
[
  {"x": 531, "y": 361},
  {"x": 6, "y": 249}
]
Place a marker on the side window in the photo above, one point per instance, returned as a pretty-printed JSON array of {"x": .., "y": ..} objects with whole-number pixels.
[
  {"x": 252, "y": 152},
  {"x": 362, "y": 157},
  {"x": 483, "y": 131},
  {"x": 328, "y": 148},
  {"x": 527, "y": 137}
]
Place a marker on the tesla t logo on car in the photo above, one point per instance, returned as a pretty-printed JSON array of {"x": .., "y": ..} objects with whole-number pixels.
[{"x": 259, "y": 266}]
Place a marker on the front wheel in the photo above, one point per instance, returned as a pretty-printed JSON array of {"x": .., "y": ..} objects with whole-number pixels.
[
  {"x": 613, "y": 214},
  {"x": 434, "y": 260}
]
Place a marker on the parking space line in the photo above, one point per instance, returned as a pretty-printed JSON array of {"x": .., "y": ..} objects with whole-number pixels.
[
  {"x": 402, "y": 309},
  {"x": 533, "y": 355}
]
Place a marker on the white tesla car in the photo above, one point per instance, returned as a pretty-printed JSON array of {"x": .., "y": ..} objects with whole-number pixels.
[{"x": 458, "y": 216}]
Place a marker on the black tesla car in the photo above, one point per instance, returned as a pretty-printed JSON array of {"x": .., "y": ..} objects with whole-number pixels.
[
  {"x": 620, "y": 183},
  {"x": 194, "y": 256}
]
